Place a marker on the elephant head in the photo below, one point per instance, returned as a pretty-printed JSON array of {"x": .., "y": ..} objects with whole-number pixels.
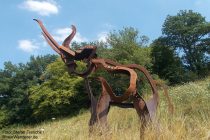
[{"x": 68, "y": 55}]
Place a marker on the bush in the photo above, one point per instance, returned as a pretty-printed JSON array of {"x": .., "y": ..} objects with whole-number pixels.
[{"x": 59, "y": 95}]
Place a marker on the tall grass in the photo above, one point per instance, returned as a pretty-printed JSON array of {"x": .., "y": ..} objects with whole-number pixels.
[{"x": 191, "y": 120}]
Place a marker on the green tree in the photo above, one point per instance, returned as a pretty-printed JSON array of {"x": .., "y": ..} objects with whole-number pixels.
[
  {"x": 59, "y": 95},
  {"x": 14, "y": 85},
  {"x": 165, "y": 61},
  {"x": 127, "y": 47},
  {"x": 188, "y": 32}
]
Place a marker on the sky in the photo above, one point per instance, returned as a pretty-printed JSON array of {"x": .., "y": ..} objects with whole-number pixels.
[{"x": 21, "y": 37}]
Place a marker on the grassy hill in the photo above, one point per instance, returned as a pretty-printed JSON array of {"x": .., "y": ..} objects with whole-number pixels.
[{"x": 191, "y": 120}]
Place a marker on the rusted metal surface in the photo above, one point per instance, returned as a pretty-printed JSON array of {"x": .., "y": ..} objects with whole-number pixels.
[{"x": 100, "y": 108}]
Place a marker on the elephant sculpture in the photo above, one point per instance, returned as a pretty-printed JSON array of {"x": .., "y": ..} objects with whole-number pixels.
[{"x": 100, "y": 107}]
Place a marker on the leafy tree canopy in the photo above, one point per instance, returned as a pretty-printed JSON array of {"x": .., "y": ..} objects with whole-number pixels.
[
  {"x": 188, "y": 32},
  {"x": 165, "y": 61},
  {"x": 127, "y": 46},
  {"x": 15, "y": 81},
  {"x": 59, "y": 95}
]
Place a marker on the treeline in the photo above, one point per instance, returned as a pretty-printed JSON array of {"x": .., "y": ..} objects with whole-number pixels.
[{"x": 42, "y": 89}]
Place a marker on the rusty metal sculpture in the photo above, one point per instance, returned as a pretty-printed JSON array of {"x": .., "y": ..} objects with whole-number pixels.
[{"x": 100, "y": 107}]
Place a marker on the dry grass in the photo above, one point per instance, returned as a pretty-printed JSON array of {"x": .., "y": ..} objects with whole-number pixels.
[{"x": 191, "y": 120}]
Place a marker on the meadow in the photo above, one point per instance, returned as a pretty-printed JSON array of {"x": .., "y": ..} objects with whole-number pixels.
[{"x": 190, "y": 121}]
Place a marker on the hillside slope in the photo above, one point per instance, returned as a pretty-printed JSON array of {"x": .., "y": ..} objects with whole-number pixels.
[{"x": 191, "y": 120}]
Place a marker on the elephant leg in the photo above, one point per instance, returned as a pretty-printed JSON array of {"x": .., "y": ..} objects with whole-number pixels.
[
  {"x": 102, "y": 110},
  {"x": 99, "y": 109},
  {"x": 143, "y": 113},
  {"x": 93, "y": 118},
  {"x": 152, "y": 107},
  {"x": 99, "y": 112},
  {"x": 93, "y": 100}
]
